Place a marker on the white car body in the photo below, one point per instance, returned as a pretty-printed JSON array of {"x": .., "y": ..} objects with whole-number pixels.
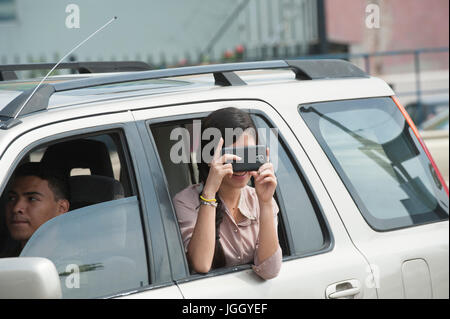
[{"x": 410, "y": 262}]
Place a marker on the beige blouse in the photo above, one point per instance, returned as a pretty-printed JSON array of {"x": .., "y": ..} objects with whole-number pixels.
[{"x": 239, "y": 241}]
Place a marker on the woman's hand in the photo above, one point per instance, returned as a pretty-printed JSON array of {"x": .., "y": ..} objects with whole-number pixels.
[
  {"x": 265, "y": 181},
  {"x": 218, "y": 170}
]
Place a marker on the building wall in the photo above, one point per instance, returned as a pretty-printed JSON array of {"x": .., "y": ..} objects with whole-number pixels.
[
  {"x": 157, "y": 31},
  {"x": 404, "y": 24},
  {"x": 345, "y": 22}
]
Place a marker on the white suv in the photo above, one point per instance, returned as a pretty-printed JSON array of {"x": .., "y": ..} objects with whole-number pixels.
[{"x": 363, "y": 208}]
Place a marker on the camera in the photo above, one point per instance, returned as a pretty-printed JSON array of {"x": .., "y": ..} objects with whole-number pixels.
[{"x": 252, "y": 157}]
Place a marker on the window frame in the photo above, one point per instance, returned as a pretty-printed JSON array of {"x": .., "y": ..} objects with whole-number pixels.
[
  {"x": 129, "y": 140},
  {"x": 160, "y": 179},
  {"x": 315, "y": 203},
  {"x": 365, "y": 213},
  {"x": 72, "y": 135}
]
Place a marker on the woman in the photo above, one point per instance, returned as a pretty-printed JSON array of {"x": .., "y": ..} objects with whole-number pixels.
[{"x": 223, "y": 221}]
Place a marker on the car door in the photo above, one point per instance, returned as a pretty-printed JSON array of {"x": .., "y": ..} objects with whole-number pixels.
[
  {"x": 319, "y": 259},
  {"x": 385, "y": 188},
  {"x": 103, "y": 249}
]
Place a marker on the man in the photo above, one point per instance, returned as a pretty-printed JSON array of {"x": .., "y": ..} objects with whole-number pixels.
[{"x": 36, "y": 195}]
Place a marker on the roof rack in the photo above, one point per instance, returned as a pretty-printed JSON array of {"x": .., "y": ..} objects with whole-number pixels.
[
  {"x": 7, "y": 71},
  {"x": 223, "y": 74}
]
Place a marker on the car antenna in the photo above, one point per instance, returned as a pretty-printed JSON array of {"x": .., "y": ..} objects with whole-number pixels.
[{"x": 62, "y": 59}]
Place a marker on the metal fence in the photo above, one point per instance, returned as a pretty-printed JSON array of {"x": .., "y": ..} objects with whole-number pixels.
[{"x": 416, "y": 54}]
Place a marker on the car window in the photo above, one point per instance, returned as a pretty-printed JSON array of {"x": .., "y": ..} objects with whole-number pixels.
[
  {"x": 97, "y": 250},
  {"x": 297, "y": 210},
  {"x": 100, "y": 155},
  {"x": 380, "y": 161},
  {"x": 98, "y": 246},
  {"x": 296, "y": 202}
]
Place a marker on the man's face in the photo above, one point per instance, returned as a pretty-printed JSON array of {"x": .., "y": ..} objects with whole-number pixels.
[{"x": 30, "y": 203}]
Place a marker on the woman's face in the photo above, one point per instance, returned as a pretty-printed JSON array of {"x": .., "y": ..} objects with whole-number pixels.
[{"x": 240, "y": 179}]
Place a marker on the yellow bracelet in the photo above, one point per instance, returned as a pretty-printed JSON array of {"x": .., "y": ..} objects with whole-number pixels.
[{"x": 207, "y": 200}]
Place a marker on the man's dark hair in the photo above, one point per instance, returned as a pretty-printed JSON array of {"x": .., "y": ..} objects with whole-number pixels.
[{"x": 57, "y": 181}]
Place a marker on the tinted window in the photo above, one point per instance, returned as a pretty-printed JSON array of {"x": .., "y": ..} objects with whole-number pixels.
[
  {"x": 380, "y": 161},
  {"x": 100, "y": 155},
  {"x": 295, "y": 202},
  {"x": 95, "y": 167},
  {"x": 102, "y": 243},
  {"x": 98, "y": 245}
]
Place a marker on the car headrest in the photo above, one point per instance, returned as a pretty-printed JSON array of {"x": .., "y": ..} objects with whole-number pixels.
[
  {"x": 82, "y": 153},
  {"x": 88, "y": 190}
]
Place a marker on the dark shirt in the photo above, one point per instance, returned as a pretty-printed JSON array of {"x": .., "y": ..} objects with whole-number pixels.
[{"x": 10, "y": 249}]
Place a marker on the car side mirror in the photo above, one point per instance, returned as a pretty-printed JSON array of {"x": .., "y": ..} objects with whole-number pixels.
[{"x": 29, "y": 278}]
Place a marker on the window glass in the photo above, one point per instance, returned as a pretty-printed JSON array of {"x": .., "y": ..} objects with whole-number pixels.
[
  {"x": 98, "y": 245},
  {"x": 380, "y": 161},
  {"x": 294, "y": 201},
  {"x": 100, "y": 155},
  {"x": 178, "y": 174},
  {"x": 110, "y": 142},
  {"x": 94, "y": 166},
  {"x": 98, "y": 250}
]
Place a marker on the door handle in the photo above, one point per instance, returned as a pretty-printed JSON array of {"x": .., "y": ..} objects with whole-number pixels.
[{"x": 344, "y": 289}]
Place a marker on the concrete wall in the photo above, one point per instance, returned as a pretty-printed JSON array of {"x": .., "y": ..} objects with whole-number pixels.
[
  {"x": 151, "y": 30},
  {"x": 404, "y": 24}
]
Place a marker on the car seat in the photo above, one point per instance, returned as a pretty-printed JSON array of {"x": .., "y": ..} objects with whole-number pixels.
[
  {"x": 178, "y": 174},
  {"x": 88, "y": 190},
  {"x": 82, "y": 153}
]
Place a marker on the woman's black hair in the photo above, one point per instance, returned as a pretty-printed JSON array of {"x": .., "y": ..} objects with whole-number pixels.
[{"x": 222, "y": 119}]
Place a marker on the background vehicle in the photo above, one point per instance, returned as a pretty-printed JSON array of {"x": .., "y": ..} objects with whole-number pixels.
[
  {"x": 363, "y": 207},
  {"x": 430, "y": 107},
  {"x": 431, "y": 117}
]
